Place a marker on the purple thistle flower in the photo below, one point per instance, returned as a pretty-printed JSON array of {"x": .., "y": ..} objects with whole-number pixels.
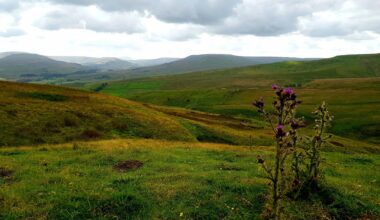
[
  {"x": 280, "y": 131},
  {"x": 288, "y": 91},
  {"x": 275, "y": 87}
]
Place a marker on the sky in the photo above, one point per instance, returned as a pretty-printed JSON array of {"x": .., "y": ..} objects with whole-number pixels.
[{"x": 143, "y": 29}]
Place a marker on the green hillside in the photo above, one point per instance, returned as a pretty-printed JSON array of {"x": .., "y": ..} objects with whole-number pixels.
[
  {"x": 350, "y": 84},
  {"x": 204, "y": 62},
  {"x": 36, "y": 114},
  {"x": 161, "y": 171},
  {"x": 20, "y": 66}
]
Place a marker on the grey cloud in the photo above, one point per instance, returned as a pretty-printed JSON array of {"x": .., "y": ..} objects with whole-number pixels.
[
  {"x": 270, "y": 18},
  {"x": 226, "y": 17},
  {"x": 174, "y": 11},
  {"x": 87, "y": 18}
]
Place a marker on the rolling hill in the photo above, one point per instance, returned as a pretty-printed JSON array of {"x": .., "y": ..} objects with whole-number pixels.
[
  {"x": 206, "y": 62},
  {"x": 104, "y": 63},
  {"x": 19, "y": 66},
  {"x": 25, "y": 67},
  {"x": 161, "y": 170},
  {"x": 153, "y": 62},
  {"x": 229, "y": 91},
  {"x": 36, "y": 114}
]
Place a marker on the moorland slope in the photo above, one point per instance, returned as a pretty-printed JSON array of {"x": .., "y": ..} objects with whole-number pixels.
[{"x": 349, "y": 84}]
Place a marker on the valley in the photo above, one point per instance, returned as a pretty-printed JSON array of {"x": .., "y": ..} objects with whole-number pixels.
[
  {"x": 349, "y": 84},
  {"x": 184, "y": 146},
  {"x": 189, "y": 110}
]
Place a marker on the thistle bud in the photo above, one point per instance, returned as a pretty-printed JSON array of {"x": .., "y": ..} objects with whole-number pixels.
[
  {"x": 294, "y": 124},
  {"x": 259, "y": 103},
  {"x": 260, "y": 160},
  {"x": 275, "y": 87},
  {"x": 280, "y": 131}
]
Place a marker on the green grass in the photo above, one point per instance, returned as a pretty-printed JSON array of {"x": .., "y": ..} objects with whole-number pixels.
[
  {"x": 181, "y": 178},
  {"x": 178, "y": 180},
  {"x": 349, "y": 84},
  {"x": 36, "y": 114},
  {"x": 118, "y": 90}
]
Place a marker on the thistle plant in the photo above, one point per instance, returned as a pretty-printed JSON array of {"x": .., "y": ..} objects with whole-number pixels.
[
  {"x": 284, "y": 125},
  {"x": 307, "y": 158},
  {"x": 305, "y": 161},
  {"x": 322, "y": 121}
]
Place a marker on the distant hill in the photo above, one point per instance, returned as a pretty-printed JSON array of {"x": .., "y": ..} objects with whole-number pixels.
[
  {"x": 112, "y": 62},
  {"x": 104, "y": 63},
  {"x": 24, "y": 65},
  {"x": 203, "y": 62},
  {"x": 153, "y": 62},
  {"x": 5, "y": 54},
  {"x": 28, "y": 67},
  {"x": 77, "y": 59}
]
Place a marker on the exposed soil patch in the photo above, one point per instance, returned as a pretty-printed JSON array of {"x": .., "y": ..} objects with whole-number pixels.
[
  {"x": 128, "y": 165},
  {"x": 6, "y": 174}
]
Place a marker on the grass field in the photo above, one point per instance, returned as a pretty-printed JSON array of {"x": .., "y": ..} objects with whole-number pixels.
[
  {"x": 61, "y": 155},
  {"x": 35, "y": 114},
  {"x": 349, "y": 84},
  {"x": 178, "y": 180}
]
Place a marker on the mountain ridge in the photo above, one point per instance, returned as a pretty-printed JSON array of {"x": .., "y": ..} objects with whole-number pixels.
[{"x": 203, "y": 62}]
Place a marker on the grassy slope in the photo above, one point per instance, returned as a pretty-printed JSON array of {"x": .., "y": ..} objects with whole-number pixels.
[
  {"x": 350, "y": 84},
  {"x": 178, "y": 180},
  {"x": 31, "y": 114},
  {"x": 16, "y": 65},
  {"x": 35, "y": 114}
]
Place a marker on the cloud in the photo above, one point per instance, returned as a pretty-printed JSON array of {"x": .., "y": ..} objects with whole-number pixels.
[
  {"x": 8, "y": 5},
  {"x": 173, "y": 11},
  {"x": 147, "y": 28},
  {"x": 8, "y": 26},
  {"x": 12, "y": 32},
  {"x": 270, "y": 17},
  {"x": 350, "y": 18},
  {"x": 91, "y": 18},
  {"x": 315, "y": 18}
]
